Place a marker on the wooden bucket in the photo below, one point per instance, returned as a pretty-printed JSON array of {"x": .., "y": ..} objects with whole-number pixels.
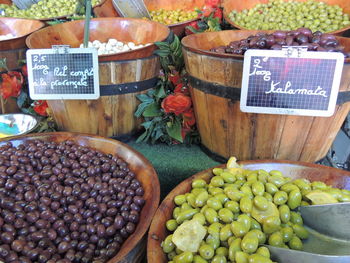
[
  {"x": 226, "y": 131},
  {"x": 14, "y": 49},
  {"x": 230, "y": 5},
  {"x": 134, "y": 248},
  {"x": 107, "y": 10},
  {"x": 313, "y": 172},
  {"x": 122, "y": 76}
]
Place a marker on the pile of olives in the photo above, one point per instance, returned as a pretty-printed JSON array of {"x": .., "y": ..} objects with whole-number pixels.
[
  {"x": 316, "y": 41},
  {"x": 283, "y": 15},
  {"x": 169, "y": 17},
  {"x": 62, "y": 202},
  {"x": 44, "y": 9},
  {"x": 230, "y": 218}
]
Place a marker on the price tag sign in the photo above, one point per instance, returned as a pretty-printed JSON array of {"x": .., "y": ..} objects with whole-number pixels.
[
  {"x": 63, "y": 73},
  {"x": 291, "y": 81}
]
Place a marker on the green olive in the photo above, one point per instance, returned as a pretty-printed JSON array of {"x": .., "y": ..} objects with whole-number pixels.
[
  {"x": 249, "y": 244},
  {"x": 214, "y": 203},
  {"x": 223, "y": 251},
  {"x": 219, "y": 259},
  {"x": 185, "y": 257},
  {"x": 300, "y": 231},
  {"x": 245, "y": 220},
  {"x": 186, "y": 215},
  {"x": 280, "y": 198},
  {"x": 241, "y": 257},
  {"x": 259, "y": 234},
  {"x": 217, "y": 181},
  {"x": 296, "y": 218},
  {"x": 295, "y": 243},
  {"x": 257, "y": 258},
  {"x": 199, "y": 259},
  {"x": 168, "y": 244},
  {"x": 258, "y": 188},
  {"x": 171, "y": 225},
  {"x": 206, "y": 251},
  {"x": 225, "y": 233},
  {"x": 180, "y": 199},
  {"x": 233, "y": 206},
  {"x": 246, "y": 204},
  {"x": 234, "y": 247},
  {"x": 200, "y": 218},
  {"x": 225, "y": 215},
  {"x": 213, "y": 241},
  {"x": 201, "y": 199},
  {"x": 263, "y": 251},
  {"x": 228, "y": 177},
  {"x": 294, "y": 199},
  {"x": 271, "y": 188},
  {"x": 261, "y": 202},
  {"x": 238, "y": 229},
  {"x": 199, "y": 183},
  {"x": 271, "y": 224},
  {"x": 284, "y": 213},
  {"x": 276, "y": 239}
]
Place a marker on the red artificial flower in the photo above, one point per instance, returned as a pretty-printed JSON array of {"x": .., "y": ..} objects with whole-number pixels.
[
  {"x": 176, "y": 103},
  {"x": 188, "y": 118},
  {"x": 11, "y": 84},
  {"x": 213, "y": 3},
  {"x": 40, "y": 107},
  {"x": 191, "y": 28},
  {"x": 207, "y": 10},
  {"x": 218, "y": 13},
  {"x": 181, "y": 88},
  {"x": 24, "y": 70},
  {"x": 174, "y": 78}
]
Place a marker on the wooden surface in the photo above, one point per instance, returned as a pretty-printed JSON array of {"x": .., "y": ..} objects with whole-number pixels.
[
  {"x": 157, "y": 233},
  {"x": 134, "y": 30},
  {"x": 144, "y": 171},
  {"x": 109, "y": 115},
  {"x": 227, "y": 131},
  {"x": 106, "y": 10},
  {"x": 230, "y": 5}
]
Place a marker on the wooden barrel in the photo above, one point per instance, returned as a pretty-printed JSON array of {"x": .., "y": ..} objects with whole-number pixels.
[
  {"x": 230, "y": 5},
  {"x": 226, "y": 131},
  {"x": 14, "y": 50},
  {"x": 122, "y": 76}
]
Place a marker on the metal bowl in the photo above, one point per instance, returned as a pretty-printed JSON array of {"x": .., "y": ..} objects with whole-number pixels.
[{"x": 16, "y": 124}]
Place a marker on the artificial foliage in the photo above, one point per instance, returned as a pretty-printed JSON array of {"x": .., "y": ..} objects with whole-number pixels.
[
  {"x": 14, "y": 86},
  {"x": 167, "y": 109}
]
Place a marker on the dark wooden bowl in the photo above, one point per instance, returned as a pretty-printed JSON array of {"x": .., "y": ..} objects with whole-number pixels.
[
  {"x": 230, "y": 5},
  {"x": 139, "y": 31},
  {"x": 9, "y": 2},
  {"x": 157, "y": 233},
  {"x": 202, "y": 43},
  {"x": 18, "y": 27},
  {"x": 143, "y": 169}
]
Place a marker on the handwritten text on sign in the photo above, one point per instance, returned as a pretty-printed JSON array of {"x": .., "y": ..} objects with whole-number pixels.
[
  {"x": 67, "y": 76},
  {"x": 291, "y": 85}
]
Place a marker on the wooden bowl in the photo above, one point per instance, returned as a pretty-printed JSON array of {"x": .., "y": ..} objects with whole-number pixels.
[
  {"x": 9, "y": 2},
  {"x": 18, "y": 27},
  {"x": 143, "y": 169},
  {"x": 178, "y": 28},
  {"x": 157, "y": 233},
  {"x": 202, "y": 43},
  {"x": 134, "y": 30},
  {"x": 230, "y": 5}
]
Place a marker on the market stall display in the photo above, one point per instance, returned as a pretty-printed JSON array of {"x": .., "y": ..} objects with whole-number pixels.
[
  {"x": 13, "y": 49},
  {"x": 225, "y": 130},
  {"x": 111, "y": 114},
  {"x": 89, "y": 175},
  {"x": 45, "y": 9},
  {"x": 326, "y": 16},
  {"x": 237, "y": 237}
]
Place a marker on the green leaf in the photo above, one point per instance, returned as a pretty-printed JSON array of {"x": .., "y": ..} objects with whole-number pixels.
[
  {"x": 160, "y": 92},
  {"x": 147, "y": 124},
  {"x": 163, "y": 45},
  {"x": 174, "y": 130},
  {"x": 152, "y": 110},
  {"x": 162, "y": 52},
  {"x": 175, "y": 44},
  {"x": 22, "y": 99},
  {"x": 140, "y": 109},
  {"x": 142, "y": 137},
  {"x": 144, "y": 98},
  {"x": 3, "y": 63}
]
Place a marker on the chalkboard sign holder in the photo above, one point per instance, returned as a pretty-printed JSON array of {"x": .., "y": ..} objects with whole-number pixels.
[
  {"x": 63, "y": 73},
  {"x": 291, "y": 81}
]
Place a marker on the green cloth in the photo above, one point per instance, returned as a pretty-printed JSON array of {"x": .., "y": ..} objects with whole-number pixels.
[{"x": 174, "y": 163}]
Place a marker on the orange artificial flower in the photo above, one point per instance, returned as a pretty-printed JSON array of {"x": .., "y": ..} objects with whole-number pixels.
[
  {"x": 176, "y": 103},
  {"x": 40, "y": 107}
]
